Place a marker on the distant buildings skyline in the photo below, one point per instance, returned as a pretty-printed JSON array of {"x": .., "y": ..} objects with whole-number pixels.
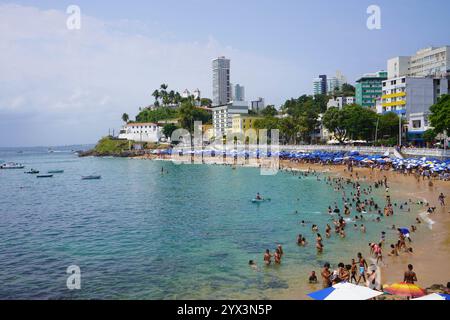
[{"x": 325, "y": 84}]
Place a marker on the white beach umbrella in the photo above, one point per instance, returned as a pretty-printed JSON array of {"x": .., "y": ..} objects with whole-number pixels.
[
  {"x": 434, "y": 296},
  {"x": 345, "y": 291}
]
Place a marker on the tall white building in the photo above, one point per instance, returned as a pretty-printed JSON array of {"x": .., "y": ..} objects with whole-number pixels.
[
  {"x": 221, "y": 81},
  {"x": 432, "y": 61}
]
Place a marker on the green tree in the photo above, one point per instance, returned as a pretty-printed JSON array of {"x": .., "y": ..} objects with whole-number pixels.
[
  {"x": 334, "y": 121},
  {"x": 188, "y": 114},
  {"x": 359, "y": 122},
  {"x": 162, "y": 113},
  {"x": 168, "y": 129},
  {"x": 125, "y": 118},
  {"x": 321, "y": 101},
  {"x": 268, "y": 123},
  {"x": 429, "y": 136},
  {"x": 205, "y": 102},
  {"x": 440, "y": 115},
  {"x": 347, "y": 90},
  {"x": 388, "y": 126},
  {"x": 156, "y": 95},
  {"x": 269, "y": 111}
]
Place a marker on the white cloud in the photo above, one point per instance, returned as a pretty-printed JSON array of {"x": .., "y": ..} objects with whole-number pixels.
[{"x": 77, "y": 83}]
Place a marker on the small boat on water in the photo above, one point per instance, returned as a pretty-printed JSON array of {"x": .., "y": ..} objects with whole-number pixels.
[
  {"x": 12, "y": 165},
  {"x": 91, "y": 177},
  {"x": 32, "y": 171},
  {"x": 55, "y": 171},
  {"x": 45, "y": 176}
]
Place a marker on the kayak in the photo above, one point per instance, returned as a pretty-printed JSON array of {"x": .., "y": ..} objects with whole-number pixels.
[
  {"x": 45, "y": 176},
  {"x": 260, "y": 200}
]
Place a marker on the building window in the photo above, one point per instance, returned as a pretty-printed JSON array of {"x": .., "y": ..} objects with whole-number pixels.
[{"x": 416, "y": 124}]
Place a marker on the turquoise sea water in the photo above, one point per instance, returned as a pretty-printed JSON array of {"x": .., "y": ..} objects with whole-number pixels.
[{"x": 137, "y": 234}]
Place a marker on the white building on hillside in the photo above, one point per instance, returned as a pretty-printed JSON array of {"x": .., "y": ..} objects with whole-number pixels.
[
  {"x": 340, "y": 102},
  {"x": 141, "y": 132}
]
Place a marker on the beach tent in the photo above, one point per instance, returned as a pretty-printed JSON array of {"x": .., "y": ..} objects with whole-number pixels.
[
  {"x": 345, "y": 291},
  {"x": 435, "y": 296}
]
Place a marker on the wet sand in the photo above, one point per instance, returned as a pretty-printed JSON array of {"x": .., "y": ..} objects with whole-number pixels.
[{"x": 431, "y": 244}]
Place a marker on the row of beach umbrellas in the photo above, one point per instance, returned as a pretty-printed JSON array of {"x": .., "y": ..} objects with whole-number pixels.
[
  {"x": 350, "y": 291},
  {"x": 431, "y": 164}
]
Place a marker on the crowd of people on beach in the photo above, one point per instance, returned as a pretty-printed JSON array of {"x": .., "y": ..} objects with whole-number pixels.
[
  {"x": 419, "y": 172},
  {"x": 358, "y": 199}
]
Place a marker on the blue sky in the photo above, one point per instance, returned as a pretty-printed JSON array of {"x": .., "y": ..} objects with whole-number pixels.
[{"x": 63, "y": 87}]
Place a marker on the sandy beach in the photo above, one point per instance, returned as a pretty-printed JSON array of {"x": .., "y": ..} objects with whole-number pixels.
[{"x": 431, "y": 242}]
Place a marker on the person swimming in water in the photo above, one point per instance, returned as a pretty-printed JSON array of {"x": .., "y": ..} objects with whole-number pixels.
[
  {"x": 258, "y": 196},
  {"x": 267, "y": 258},
  {"x": 313, "y": 278}
]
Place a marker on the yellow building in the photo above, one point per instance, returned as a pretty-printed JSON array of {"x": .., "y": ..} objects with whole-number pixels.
[{"x": 242, "y": 123}]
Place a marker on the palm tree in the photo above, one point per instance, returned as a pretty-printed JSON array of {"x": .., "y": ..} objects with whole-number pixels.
[
  {"x": 172, "y": 97},
  {"x": 186, "y": 115},
  {"x": 177, "y": 99},
  {"x": 156, "y": 95},
  {"x": 125, "y": 118},
  {"x": 163, "y": 93}
]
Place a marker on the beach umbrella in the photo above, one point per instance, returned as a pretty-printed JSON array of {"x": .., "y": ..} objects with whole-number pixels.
[
  {"x": 435, "y": 296},
  {"x": 345, "y": 291},
  {"x": 405, "y": 290}
]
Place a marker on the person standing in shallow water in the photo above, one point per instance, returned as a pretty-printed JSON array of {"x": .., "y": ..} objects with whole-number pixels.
[
  {"x": 410, "y": 276},
  {"x": 362, "y": 268},
  {"x": 442, "y": 199},
  {"x": 267, "y": 258},
  {"x": 326, "y": 274}
]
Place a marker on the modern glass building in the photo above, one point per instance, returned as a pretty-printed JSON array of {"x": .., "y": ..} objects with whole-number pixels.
[
  {"x": 369, "y": 88},
  {"x": 320, "y": 85}
]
